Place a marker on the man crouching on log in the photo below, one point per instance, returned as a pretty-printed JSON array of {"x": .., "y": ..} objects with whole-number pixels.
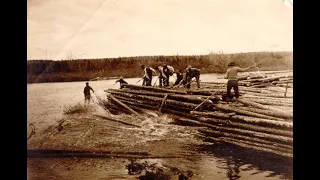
[
  {"x": 231, "y": 75},
  {"x": 192, "y": 73}
]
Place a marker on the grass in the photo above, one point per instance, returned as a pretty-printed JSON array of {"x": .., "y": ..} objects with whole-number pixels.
[
  {"x": 76, "y": 109},
  {"x": 85, "y": 69}
]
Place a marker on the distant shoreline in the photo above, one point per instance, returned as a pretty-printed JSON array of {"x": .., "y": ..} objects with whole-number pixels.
[{"x": 44, "y": 71}]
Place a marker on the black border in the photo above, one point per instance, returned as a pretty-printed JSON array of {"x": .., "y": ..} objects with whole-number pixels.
[
  {"x": 305, "y": 58},
  {"x": 14, "y": 75},
  {"x": 305, "y": 89}
]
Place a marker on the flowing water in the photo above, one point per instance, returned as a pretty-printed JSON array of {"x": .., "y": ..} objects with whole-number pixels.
[{"x": 172, "y": 145}]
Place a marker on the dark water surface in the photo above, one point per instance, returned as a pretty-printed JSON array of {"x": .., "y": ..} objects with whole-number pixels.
[{"x": 180, "y": 147}]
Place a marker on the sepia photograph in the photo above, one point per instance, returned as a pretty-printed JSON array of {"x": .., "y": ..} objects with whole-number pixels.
[{"x": 159, "y": 90}]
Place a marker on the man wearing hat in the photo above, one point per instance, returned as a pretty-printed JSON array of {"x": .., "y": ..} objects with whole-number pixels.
[
  {"x": 231, "y": 75},
  {"x": 86, "y": 93}
]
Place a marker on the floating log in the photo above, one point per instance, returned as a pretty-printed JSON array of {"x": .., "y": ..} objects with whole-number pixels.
[
  {"x": 246, "y": 126},
  {"x": 248, "y": 113},
  {"x": 276, "y": 112},
  {"x": 269, "y": 137},
  {"x": 241, "y": 137},
  {"x": 266, "y": 122},
  {"x": 155, "y": 89}
]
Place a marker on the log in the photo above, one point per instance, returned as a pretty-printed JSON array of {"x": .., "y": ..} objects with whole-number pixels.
[
  {"x": 186, "y": 98},
  {"x": 284, "y": 100},
  {"x": 156, "y": 99},
  {"x": 123, "y": 105},
  {"x": 276, "y": 95},
  {"x": 269, "y": 137},
  {"x": 266, "y": 146},
  {"x": 243, "y": 112},
  {"x": 252, "y": 147},
  {"x": 282, "y": 71},
  {"x": 276, "y": 112},
  {"x": 282, "y": 82},
  {"x": 266, "y": 102},
  {"x": 241, "y": 137},
  {"x": 263, "y": 122},
  {"x": 164, "y": 109},
  {"x": 264, "y": 111},
  {"x": 246, "y": 126},
  {"x": 212, "y": 114},
  {"x": 154, "y": 89},
  {"x": 156, "y": 105}
]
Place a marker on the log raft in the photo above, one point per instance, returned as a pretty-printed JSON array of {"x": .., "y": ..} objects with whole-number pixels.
[{"x": 260, "y": 119}]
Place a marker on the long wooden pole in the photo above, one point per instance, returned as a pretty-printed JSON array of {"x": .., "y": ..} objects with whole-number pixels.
[
  {"x": 209, "y": 96},
  {"x": 122, "y": 104}
]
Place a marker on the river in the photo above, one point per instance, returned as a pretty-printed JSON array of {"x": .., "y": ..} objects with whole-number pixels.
[{"x": 157, "y": 136}]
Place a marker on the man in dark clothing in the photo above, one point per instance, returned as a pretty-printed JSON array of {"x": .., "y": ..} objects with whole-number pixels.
[
  {"x": 191, "y": 73},
  {"x": 122, "y": 82},
  {"x": 86, "y": 93},
  {"x": 231, "y": 75},
  {"x": 180, "y": 77},
  {"x": 147, "y": 77}
]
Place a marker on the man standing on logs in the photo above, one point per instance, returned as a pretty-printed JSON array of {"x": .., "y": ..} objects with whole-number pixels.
[
  {"x": 147, "y": 77},
  {"x": 166, "y": 71},
  {"x": 231, "y": 75},
  {"x": 192, "y": 73},
  {"x": 86, "y": 92}
]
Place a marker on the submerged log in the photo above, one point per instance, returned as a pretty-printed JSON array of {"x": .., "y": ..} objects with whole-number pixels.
[
  {"x": 251, "y": 147},
  {"x": 276, "y": 112},
  {"x": 248, "y": 113},
  {"x": 265, "y": 122},
  {"x": 241, "y": 137},
  {"x": 246, "y": 126},
  {"x": 269, "y": 137}
]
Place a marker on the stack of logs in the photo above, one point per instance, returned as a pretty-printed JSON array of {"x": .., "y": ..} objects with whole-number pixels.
[
  {"x": 261, "y": 119},
  {"x": 266, "y": 80}
]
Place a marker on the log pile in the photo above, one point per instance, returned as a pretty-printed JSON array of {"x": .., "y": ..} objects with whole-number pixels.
[{"x": 260, "y": 119}]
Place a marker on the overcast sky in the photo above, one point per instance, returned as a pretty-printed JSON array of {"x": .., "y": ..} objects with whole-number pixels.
[{"x": 62, "y": 29}]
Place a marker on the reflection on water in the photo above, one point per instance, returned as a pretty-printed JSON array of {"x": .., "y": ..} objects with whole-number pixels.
[{"x": 190, "y": 155}]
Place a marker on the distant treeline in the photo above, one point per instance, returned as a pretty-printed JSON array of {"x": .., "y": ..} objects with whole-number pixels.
[{"x": 85, "y": 69}]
